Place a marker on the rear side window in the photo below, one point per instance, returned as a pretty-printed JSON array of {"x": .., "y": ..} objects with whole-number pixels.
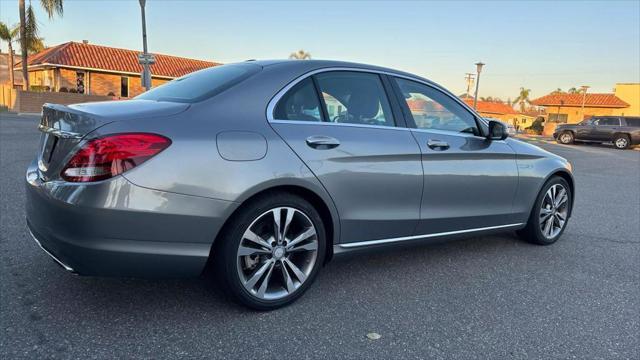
[
  {"x": 633, "y": 122},
  {"x": 607, "y": 121},
  {"x": 300, "y": 103},
  {"x": 201, "y": 84},
  {"x": 355, "y": 98}
]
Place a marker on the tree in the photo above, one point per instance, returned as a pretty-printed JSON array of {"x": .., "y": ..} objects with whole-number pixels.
[
  {"x": 29, "y": 30},
  {"x": 300, "y": 55},
  {"x": 557, "y": 91},
  {"x": 523, "y": 98},
  {"x": 9, "y": 35},
  {"x": 573, "y": 90}
]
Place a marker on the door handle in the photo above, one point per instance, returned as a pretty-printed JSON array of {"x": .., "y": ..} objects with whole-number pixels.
[
  {"x": 322, "y": 142},
  {"x": 437, "y": 144}
]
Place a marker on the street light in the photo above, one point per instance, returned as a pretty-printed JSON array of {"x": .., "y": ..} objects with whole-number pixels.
[
  {"x": 479, "y": 66},
  {"x": 146, "y": 59},
  {"x": 584, "y": 89}
]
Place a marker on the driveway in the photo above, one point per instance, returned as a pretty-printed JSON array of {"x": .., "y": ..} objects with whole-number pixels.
[{"x": 485, "y": 297}]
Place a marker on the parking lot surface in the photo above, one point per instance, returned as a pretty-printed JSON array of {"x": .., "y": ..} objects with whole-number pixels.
[{"x": 484, "y": 297}]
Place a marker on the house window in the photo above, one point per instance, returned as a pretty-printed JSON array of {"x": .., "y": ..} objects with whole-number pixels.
[
  {"x": 124, "y": 86},
  {"x": 80, "y": 82},
  {"x": 558, "y": 118}
]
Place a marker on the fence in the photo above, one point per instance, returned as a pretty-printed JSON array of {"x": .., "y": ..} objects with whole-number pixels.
[{"x": 31, "y": 102}]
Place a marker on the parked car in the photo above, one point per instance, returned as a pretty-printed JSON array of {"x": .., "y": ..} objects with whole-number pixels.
[
  {"x": 262, "y": 171},
  {"x": 511, "y": 130},
  {"x": 622, "y": 131}
]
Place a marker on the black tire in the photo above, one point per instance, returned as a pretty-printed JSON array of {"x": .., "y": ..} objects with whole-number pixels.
[
  {"x": 225, "y": 251},
  {"x": 621, "y": 141},
  {"x": 532, "y": 232},
  {"x": 566, "y": 137}
]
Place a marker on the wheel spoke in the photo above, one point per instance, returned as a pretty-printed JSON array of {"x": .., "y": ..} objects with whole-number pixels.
[
  {"x": 276, "y": 224},
  {"x": 257, "y": 275},
  {"x": 298, "y": 273},
  {"x": 548, "y": 226},
  {"x": 305, "y": 235},
  {"x": 561, "y": 198},
  {"x": 246, "y": 251},
  {"x": 287, "y": 278},
  {"x": 310, "y": 246},
  {"x": 287, "y": 221},
  {"x": 544, "y": 214},
  {"x": 561, "y": 216},
  {"x": 251, "y": 236},
  {"x": 265, "y": 282}
]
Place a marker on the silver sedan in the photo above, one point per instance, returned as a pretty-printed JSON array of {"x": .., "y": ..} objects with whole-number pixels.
[{"x": 262, "y": 171}]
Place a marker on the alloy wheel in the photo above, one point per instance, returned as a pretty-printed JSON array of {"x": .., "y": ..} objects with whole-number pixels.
[
  {"x": 621, "y": 143},
  {"x": 565, "y": 138},
  {"x": 277, "y": 253},
  {"x": 554, "y": 211}
]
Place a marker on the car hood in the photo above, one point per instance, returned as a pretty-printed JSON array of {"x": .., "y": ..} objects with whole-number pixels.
[{"x": 526, "y": 149}]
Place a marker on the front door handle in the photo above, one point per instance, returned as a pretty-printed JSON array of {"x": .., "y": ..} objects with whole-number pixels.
[
  {"x": 437, "y": 145},
  {"x": 322, "y": 142}
]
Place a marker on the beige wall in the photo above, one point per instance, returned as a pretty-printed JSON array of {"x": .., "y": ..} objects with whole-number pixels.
[
  {"x": 31, "y": 102},
  {"x": 101, "y": 83},
  {"x": 629, "y": 93}
]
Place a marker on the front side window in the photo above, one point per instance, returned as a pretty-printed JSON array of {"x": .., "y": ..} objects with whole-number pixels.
[
  {"x": 301, "y": 103},
  {"x": 432, "y": 109},
  {"x": 355, "y": 98}
]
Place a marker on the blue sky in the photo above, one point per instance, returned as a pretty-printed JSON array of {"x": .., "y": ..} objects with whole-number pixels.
[{"x": 542, "y": 45}]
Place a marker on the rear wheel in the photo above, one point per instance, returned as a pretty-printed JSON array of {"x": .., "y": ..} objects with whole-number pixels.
[
  {"x": 550, "y": 213},
  {"x": 566, "y": 138},
  {"x": 271, "y": 251},
  {"x": 621, "y": 141}
]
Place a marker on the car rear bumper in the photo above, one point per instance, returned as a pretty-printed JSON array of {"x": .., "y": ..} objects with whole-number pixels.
[{"x": 115, "y": 228}]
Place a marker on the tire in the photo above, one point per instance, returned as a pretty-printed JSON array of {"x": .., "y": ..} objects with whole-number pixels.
[
  {"x": 533, "y": 232},
  {"x": 240, "y": 274},
  {"x": 566, "y": 138},
  {"x": 621, "y": 141}
]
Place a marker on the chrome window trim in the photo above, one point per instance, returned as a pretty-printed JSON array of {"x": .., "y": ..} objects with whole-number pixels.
[
  {"x": 276, "y": 98},
  {"x": 425, "y": 236},
  {"x": 325, "y": 123}
]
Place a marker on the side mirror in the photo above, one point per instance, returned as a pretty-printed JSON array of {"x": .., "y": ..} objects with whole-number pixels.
[{"x": 497, "y": 131}]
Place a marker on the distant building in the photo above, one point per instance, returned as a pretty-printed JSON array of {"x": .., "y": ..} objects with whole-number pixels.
[
  {"x": 568, "y": 108},
  {"x": 497, "y": 110},
  {"x": 100, "y": 70},
  {"x": 4, "y": 70}
]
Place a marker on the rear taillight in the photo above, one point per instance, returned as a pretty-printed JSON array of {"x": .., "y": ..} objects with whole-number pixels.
[{"x": 108, "y": 156}]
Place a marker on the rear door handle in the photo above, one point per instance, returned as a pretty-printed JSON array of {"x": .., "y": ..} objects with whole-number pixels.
[
  {"x": 322, "y": 142},
  {"x": 437, "y": 144}
]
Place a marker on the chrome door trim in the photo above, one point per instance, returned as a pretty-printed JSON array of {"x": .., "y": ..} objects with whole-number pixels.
[
  {"x": 276, "y": 98},
  {"x": 425, "y": 236}
]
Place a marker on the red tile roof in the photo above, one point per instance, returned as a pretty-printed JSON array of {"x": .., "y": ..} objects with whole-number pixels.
[
  {"x": 81, "y": 55},
  {"x": 491, "y": 107},
  {"x": 591, "y": 100}
]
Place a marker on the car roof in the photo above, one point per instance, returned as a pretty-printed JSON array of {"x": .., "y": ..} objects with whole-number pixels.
[{"x": 310, "y": 65}]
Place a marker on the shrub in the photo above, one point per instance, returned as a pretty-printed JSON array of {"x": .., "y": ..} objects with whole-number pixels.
[
  {"x": 537, "y": 126},
  {"x": 63, "y": 89},
  {"x": 72, "y": 90},
  {"x": 111, "y": 93},
  {"x": 39, "y": 88}
]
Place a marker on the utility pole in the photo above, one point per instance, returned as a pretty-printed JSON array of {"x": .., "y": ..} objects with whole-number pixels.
[
  {"x": 469, "y": 78},
  {"x": 146, "y": 59},
  {"x": 584, "y": 89},
  {"x": 479, "y": 66}
]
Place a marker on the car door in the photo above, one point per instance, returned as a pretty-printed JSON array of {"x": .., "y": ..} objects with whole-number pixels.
[
  {"x": 585, "y": 129},
  {"x": 358, "y": 148},
  {"x": 469, "y": 182},
  {"x": 605, "y": 128}
]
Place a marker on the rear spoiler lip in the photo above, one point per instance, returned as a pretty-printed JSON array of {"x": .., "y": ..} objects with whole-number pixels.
[
  {"x": 60, "y": 133},
  {"x": 48, "y": 128}
]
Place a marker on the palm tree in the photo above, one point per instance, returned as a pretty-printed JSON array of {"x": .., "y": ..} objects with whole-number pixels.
[
  {"x": 557, "y": 91},
  {"x": 9, "y": 35},
  {"x": 29, "y": 30},
  {"x": 300, "y": 55},
  {"x": 523, "y": 98},
  {"x": 573, "y": 90}
]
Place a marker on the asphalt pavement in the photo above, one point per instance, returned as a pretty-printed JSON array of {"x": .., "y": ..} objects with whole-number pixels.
[{"x": 485, "y": 297}]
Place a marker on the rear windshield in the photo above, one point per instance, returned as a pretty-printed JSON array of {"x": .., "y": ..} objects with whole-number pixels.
[{"x": 202, "y": 84}]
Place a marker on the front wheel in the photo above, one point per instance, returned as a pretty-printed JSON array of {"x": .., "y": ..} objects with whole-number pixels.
[
  {"x": 566, "y": 138},
  {"x": 550, "y": 213},
  {"x": 271, "y": 251}
]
